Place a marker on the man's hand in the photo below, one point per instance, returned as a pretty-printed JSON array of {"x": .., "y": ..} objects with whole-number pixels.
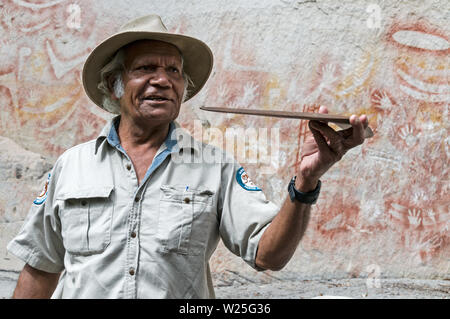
[
  {"x": 326, "y": 147},
  {"x": 321, "y": 150}
]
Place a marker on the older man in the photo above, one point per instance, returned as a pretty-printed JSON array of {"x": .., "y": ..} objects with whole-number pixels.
[{"x": 121, "y": 218}]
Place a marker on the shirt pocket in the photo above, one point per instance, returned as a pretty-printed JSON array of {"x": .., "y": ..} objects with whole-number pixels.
[
  {"x": 86, "y": 219},
  {"x": 180, "y": 210}
]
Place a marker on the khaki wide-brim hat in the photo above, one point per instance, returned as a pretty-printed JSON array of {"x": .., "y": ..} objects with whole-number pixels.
[{"x": 197, "y": 56}]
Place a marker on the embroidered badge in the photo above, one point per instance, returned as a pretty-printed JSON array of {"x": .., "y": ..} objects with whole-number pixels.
[
  {"x": 43, "y": 195},
  {"x": 245, "y": 182}
]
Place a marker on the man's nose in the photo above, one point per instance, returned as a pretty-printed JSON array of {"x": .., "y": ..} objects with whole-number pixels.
[{"x": 160, "y": 78}]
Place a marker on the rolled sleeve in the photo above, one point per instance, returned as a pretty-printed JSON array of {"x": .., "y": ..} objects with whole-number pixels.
[
  {"x": 244, "y": 216},
  {"x": 39, "y": 242}
]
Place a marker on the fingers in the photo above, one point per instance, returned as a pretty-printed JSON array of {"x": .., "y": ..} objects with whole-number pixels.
[
  {"x": 336, "y": 141},
  {"x": 358, "y": 125},
  {"x": 363, "y": 118},
  {"x": 328, "y": 140},
  {"x": 318, "y": 137},
  {"x": 329, "y": 133},
  {"x": 323, "y": 109}
]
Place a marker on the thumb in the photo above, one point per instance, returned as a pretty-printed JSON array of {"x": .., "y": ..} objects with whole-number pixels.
[{"x": 318, "y": 137}]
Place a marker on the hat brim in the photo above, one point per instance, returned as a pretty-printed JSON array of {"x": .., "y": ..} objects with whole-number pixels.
[{"x": 197, "y": 56}]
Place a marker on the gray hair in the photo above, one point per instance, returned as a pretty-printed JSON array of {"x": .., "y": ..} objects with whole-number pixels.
[{"x": 114, "y": 69}]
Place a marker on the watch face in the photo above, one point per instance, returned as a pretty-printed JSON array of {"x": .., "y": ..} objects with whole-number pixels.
[{"x": 306, "y": 198}]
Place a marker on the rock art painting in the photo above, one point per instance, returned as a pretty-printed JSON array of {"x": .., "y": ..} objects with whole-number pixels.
[
  {"x": 385, "y": 204},
  {"x": 43, "y": 49}
]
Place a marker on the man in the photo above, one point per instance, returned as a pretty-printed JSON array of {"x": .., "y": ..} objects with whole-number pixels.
[{"x": 122, "y": 218}]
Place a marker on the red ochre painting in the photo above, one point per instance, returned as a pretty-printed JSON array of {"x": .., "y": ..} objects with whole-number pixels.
[{"x": 387, "y": 200}]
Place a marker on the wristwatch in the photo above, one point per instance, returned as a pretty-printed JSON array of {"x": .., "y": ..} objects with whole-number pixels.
[{"x": 306, "y": 198}]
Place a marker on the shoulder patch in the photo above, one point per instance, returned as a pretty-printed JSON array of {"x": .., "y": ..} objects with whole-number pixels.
[
  {"x": 43, "y": 195},
  {"x": 245, "y": 182}
]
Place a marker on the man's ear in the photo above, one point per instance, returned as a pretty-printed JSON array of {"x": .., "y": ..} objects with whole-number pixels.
[{"x": 111, "y": 81}]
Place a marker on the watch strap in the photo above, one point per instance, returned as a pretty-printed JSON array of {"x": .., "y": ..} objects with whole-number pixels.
[{"x": 306, "y": 198}]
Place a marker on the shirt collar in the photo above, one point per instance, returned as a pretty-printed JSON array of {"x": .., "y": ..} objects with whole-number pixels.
[{"x": 176, "y": 140}]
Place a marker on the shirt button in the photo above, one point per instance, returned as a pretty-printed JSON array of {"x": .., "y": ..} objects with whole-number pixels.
[
  {"x": 133, "y": 235},
  {"x": 131, "y": 272},
  {"x": 129, "y": 167},
  {"x": 187, "y": 200}
]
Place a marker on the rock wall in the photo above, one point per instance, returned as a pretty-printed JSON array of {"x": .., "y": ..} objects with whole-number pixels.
[
  {"x": 22, "y": 174},
  {"x": 383, "y": 210}
]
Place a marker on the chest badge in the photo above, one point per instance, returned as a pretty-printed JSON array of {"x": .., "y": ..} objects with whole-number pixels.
[
  {"x": 43, "y": 195},
  {"x": 244, "y": 180}
]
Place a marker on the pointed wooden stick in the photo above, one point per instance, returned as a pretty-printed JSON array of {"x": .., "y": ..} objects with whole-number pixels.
[{"x": 341, "y": 120}]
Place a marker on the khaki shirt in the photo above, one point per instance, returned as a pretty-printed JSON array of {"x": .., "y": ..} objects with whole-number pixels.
[{"x": 113, "y": 238}]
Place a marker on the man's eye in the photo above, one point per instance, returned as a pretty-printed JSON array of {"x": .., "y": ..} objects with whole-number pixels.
[
  {"x": 174, "y": 70},
  {"x": 145, "y": 68}
]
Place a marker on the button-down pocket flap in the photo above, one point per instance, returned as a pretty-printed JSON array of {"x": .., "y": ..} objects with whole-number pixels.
[
  {"x": 181, "y": 209},
  {"x": 180, "y": 193},
  {"x": 88, "y": 192},
  {"x": 86, "y": 219}
]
